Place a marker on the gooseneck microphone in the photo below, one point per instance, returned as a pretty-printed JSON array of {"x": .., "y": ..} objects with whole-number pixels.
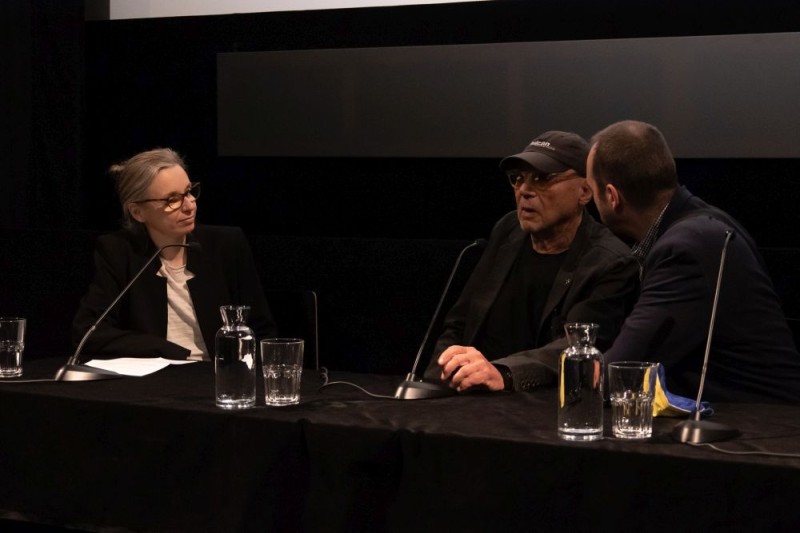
[
  {"x": 697, "y": 431},
  {"x": 413, "y": 388},
  {"x": 73, "y": 371}
]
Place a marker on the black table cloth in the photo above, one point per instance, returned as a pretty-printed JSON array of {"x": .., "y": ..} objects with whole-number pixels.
[{"x": 155, "y": 454}]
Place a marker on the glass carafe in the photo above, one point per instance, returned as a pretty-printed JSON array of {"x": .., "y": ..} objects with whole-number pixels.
[
  {"x": 235, "y": 360},
  {"x": 580, "y": 385}
]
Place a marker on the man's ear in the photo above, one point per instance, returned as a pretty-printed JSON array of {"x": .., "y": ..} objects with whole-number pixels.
[
  {"x": 613, "y": 196},
  {"x": 584, "y": 193}
]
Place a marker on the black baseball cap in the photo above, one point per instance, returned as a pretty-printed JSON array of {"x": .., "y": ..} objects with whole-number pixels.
[{"x": 553, "y": 151}]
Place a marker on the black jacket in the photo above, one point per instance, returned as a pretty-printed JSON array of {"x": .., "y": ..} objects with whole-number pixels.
[
  {"x": 225, "y": 274},
  {"x": 597, "y": 283},
  {"x": 753, "y": 357}
]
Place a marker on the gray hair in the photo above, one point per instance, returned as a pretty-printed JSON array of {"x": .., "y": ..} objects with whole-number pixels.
[{"x": 134, "y": 176}]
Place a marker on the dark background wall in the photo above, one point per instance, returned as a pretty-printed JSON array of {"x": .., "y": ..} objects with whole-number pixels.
[
  {"x": 77, "y": 96},
  {"x": 81, "y": 95},
  {"x": 42, "y": 113}
]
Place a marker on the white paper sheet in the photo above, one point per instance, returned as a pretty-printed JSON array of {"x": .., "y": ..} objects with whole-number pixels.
[{"x": 135, "y": 366}]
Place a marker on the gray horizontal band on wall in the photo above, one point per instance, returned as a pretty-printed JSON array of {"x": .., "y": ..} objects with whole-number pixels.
[{"x": 712, "y": 96}]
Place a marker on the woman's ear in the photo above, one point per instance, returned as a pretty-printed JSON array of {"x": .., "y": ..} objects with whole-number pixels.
[{"x": 135, "y": 211}]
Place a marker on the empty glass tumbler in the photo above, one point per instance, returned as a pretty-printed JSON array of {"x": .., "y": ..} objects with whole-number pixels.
[{"x": 12, "y": 344}]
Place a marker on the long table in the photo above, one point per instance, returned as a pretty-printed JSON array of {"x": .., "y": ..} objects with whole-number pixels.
[{"x": 155, "y": 454}]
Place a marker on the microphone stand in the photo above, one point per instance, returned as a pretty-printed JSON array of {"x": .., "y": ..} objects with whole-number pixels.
[
  {"x": 413, "y": 388},
  {"x": 695, "y": 430},
  {"x": 72, "y": 371}
]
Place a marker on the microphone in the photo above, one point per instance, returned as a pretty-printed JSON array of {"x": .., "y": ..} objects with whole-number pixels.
[
  {"x": 413, "y": 388},
  {"x": 72, "y": 371},
  {"x": 697, "y": 431}
]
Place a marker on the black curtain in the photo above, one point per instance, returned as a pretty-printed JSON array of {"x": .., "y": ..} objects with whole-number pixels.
[{"x": 41, "y": 105}]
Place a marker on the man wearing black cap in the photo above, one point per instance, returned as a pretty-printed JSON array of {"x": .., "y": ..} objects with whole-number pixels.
[{"x": 546, "y": 264}]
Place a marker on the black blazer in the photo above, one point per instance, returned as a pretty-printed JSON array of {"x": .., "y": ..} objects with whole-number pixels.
[
  {"x": 225, "y": 274},
  {"x": 753, "y": 357},
  {"x": 597, "y": 282}
]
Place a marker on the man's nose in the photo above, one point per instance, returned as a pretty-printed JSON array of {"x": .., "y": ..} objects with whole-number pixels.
[{"x": 527, "y": 190}]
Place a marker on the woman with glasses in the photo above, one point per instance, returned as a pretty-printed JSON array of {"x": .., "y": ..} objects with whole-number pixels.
[{"x": 172, "y": 309}]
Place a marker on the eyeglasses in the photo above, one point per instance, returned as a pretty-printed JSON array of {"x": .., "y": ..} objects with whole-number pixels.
[
  {"x": 536, "y": 180},
  {"x": 174, "y": 202}
]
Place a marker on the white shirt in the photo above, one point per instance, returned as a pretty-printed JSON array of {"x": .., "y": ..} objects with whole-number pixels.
[{"x": 182, "y": 326}]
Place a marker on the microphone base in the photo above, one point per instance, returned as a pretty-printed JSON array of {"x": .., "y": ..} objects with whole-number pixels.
[
  {"x": 702, "y": 431},
  {"x": 412, "y": 389},
  {"x": 84, "y": 373}
]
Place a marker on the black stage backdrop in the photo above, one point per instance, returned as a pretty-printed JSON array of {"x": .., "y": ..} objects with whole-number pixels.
[
  {"x": 153, "y": 83},
  {"x": 42, "y": 113},
  {"x": 82, "y": 95},
  {"x": 77, "y": 96}
]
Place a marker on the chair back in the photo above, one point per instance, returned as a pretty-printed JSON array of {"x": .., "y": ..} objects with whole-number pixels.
[{"x": 295, "y": 314}]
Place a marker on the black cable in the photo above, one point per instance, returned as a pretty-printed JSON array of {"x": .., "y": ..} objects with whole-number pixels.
[
  {"x": 39, "y": 380},
  {"x": 755, "y": 452},
  {"x": 325, "y": 383}
]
